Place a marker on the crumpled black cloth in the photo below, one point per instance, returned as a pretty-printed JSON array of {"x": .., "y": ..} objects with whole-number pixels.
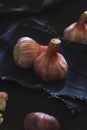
[
  {"x": 72, "y": 90},
  {"x": 27, "y": 6}
]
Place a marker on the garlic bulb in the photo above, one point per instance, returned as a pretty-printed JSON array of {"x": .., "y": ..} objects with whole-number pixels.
[
  {"x": 51, "y": 65},
  {"x": 77, "y": 32},
  {"x": 41, "y": 121},
  {"x": 3, "y": 100},
  {"x": 26, "y": 50},
  {"x": 1, "y": 118}
]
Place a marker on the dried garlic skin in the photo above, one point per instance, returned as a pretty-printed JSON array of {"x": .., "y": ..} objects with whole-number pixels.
[
  {"x": 3, "y": 99},
  {"x": 1, "y": 119}
]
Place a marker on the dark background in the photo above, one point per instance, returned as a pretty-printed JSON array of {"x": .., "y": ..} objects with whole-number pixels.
[{"x": 58, "y": 14}]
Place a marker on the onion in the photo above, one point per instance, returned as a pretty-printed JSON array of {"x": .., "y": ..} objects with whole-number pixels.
[
  {"x": 77, "y": 32},
  {"x": 51, "y": 65},
  {"x": 41, "y": 121},
  {"x": 26, "y": 50}
]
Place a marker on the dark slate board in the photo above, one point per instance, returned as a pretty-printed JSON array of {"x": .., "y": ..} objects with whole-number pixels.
[{"x": 72, "y": 90}]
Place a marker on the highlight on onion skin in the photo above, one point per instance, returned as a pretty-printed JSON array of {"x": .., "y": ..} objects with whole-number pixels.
[
  {"x": 77, "y": 32},
  {"x": 41, "y": 121},
  {"x": 51, "y": 65}
]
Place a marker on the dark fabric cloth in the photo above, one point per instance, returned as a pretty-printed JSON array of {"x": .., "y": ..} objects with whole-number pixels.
[
  {"x": 27, "y": 6},
  {"x": 42, "y": 20}
]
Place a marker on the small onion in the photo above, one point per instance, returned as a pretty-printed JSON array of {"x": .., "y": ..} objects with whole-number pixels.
[
  {"x": 26, "y": 50},
  {"x": 51, "y": 65},
  {"x": 41, "y": 121},
  {"x": 77, "y": 32}
]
